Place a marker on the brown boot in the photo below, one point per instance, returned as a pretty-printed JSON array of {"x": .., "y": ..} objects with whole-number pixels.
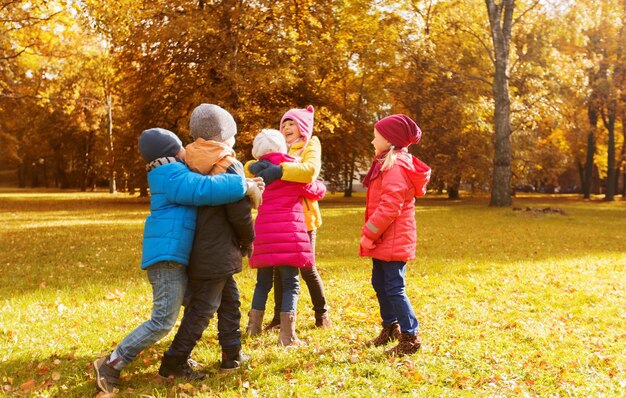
[
  {"x": 322, "y": 320},
  {"x": 389, "y": 333},
  {"x": 274, "y": 324},
  {"x": 287, "y": 336},
  {"x": 408, "y": 344},
  {"x": 255, "y": 322}
]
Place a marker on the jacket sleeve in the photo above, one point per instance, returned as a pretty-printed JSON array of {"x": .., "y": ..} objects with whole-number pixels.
[
  {"x": 246, "y": 168},
  {"x": 389, "y": 208},
  {"x": 314, "y": 191},
  {"x": 239, "y": 214},
  {"x": 192, "y": 189},
  {"x": 240, "y": 218},
  {"x": 309, "y": 168}
]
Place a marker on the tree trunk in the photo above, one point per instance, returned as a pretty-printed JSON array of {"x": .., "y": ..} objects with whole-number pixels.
[
  {"x": 348, "y": 191},
  {"x": 591, "y": 149},
  {"x": 500, "y": 21},
  {"x": 622, "y": 168},
  {"x": 109, "y": 102},
  {"x": 86, "y": 169},
  {"x": 609, "y": 123},
  {"x": 581, "y": 174}
]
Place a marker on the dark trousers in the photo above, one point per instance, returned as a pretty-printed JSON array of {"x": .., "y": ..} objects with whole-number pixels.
[
  {"x": 389, "y": 282},
  {"x": 206, "y": 297},
  {"x": 313, "y": 282}
]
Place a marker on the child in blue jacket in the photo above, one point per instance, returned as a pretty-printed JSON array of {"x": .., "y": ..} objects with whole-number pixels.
[{"x": 175, "y": 191}]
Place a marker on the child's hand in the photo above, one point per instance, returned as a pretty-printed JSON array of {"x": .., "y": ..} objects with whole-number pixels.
[
  {"x": 258, "y": 166},
  {"x": 255, "y": 191},
  {"x": 270, "y": 172},
  {"x": 259, "y": 182},
  {"x": 367, "y": 243},
  {"x": 246, "y": 251}
]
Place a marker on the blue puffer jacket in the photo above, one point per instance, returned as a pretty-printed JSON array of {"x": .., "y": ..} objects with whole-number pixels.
[{"x": 175, "y": 192}]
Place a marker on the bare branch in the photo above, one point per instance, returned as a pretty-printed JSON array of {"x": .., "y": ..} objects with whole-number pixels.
[
  {"x": 481, "y": 41},
  {"x": 526, "y": 11},
  {"x": 4, "y": 58}
]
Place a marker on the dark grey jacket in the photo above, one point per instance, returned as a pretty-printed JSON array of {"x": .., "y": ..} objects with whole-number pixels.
[{"x": 222, "y": 233}]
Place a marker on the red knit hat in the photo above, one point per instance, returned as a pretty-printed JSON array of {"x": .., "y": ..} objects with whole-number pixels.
[
  {"x": 303, "y": 119},
  {"x": 400, "y": 130}
]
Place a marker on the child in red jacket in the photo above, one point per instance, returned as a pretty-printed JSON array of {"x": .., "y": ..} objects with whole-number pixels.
[{"x": 393, "y": 181}]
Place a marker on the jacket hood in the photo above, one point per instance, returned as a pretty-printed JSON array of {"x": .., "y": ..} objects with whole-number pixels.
[
  {"x": 202, "y": 155},
  {"x": 418, "y": 172}
]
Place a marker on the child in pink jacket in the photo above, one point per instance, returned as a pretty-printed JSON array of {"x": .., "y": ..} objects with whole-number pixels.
[
  {"x": 281, "y": 239},
  {"x": 388, "y": 236}
]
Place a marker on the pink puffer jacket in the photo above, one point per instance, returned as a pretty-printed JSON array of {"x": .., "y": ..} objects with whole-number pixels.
[
  {"x": 390, "y": 209},
  {"x": 280, "y": 229}
]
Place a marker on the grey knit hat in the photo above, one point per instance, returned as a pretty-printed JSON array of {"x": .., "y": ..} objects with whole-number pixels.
[
  {"x": 158, "y": 143},
  {"x": 212, "y": 122}
]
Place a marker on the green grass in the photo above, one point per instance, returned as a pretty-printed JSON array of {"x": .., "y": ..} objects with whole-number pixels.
[{"x": 509, "y": 303}]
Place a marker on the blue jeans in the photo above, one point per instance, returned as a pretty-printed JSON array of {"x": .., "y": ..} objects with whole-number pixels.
[
  {"x": 169, "y": 281},
  {"x": 207, "y": 297},
  {"x": 291, "y": 286},
  {"x": 313, "y": 282},
  {"x": 389, "y": 283}
]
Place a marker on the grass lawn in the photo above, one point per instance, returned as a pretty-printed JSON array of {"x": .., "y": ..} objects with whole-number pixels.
[{"x": 510, "y": 303}]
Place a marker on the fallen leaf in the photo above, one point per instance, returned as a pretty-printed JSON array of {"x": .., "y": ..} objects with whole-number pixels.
[
  {"x": 56, "y": 376},
  {"x": 28, "y": 385},
  {"x": 114, "y": 295}
]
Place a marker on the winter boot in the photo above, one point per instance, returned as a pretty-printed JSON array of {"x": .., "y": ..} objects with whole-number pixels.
[
  {"x": 177, "y": 366},
  {"x": 232, "y": 358},
  {"x": 322, "y": 320},
  {"x": 107, "y": 377},
  {"x": 274, "y": 323},
  {"x": 287, "y": 336},
  {"x": 255, "y": 322},
  {"x": 408, "y": 344},
  {"x": 389, "y": 333}
]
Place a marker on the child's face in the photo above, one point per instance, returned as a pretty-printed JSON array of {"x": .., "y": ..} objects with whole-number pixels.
[
  {"x": 290, "y": 131},
  {"x": 380, "y": 143}
]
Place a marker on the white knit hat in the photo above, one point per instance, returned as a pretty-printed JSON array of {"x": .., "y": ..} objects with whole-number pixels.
[{"x": 267, "y": 141}]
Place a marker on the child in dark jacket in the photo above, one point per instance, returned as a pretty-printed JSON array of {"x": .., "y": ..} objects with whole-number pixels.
[
  {"x": 175, "y": 191},
  {"x": 223, "y": 235}
]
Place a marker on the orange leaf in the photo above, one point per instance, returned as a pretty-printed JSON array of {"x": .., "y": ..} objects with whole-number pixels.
[{"x": 28, "y": 386}]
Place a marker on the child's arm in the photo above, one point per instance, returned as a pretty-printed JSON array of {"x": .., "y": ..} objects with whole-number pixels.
[
  {"x": 192, "y": 189},
  {"x": 239, "y": 215},
  {"x": 314, "y": 191},
  {"x": 394, "y": 187},
  {"x": 246, "y": 168},
  {"x": 309, "y": 167},
  {"x": 240, "y": 218}
]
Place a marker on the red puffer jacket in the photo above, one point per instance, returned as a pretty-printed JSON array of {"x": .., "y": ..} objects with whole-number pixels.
[{"x": 389, "y": 212}]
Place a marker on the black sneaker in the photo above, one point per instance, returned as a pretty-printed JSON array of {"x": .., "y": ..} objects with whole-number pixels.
[
  {"x": 175, "y": 366},
  {"x": 233, "y": 360},
  {"x": 107, "y": 378}
]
